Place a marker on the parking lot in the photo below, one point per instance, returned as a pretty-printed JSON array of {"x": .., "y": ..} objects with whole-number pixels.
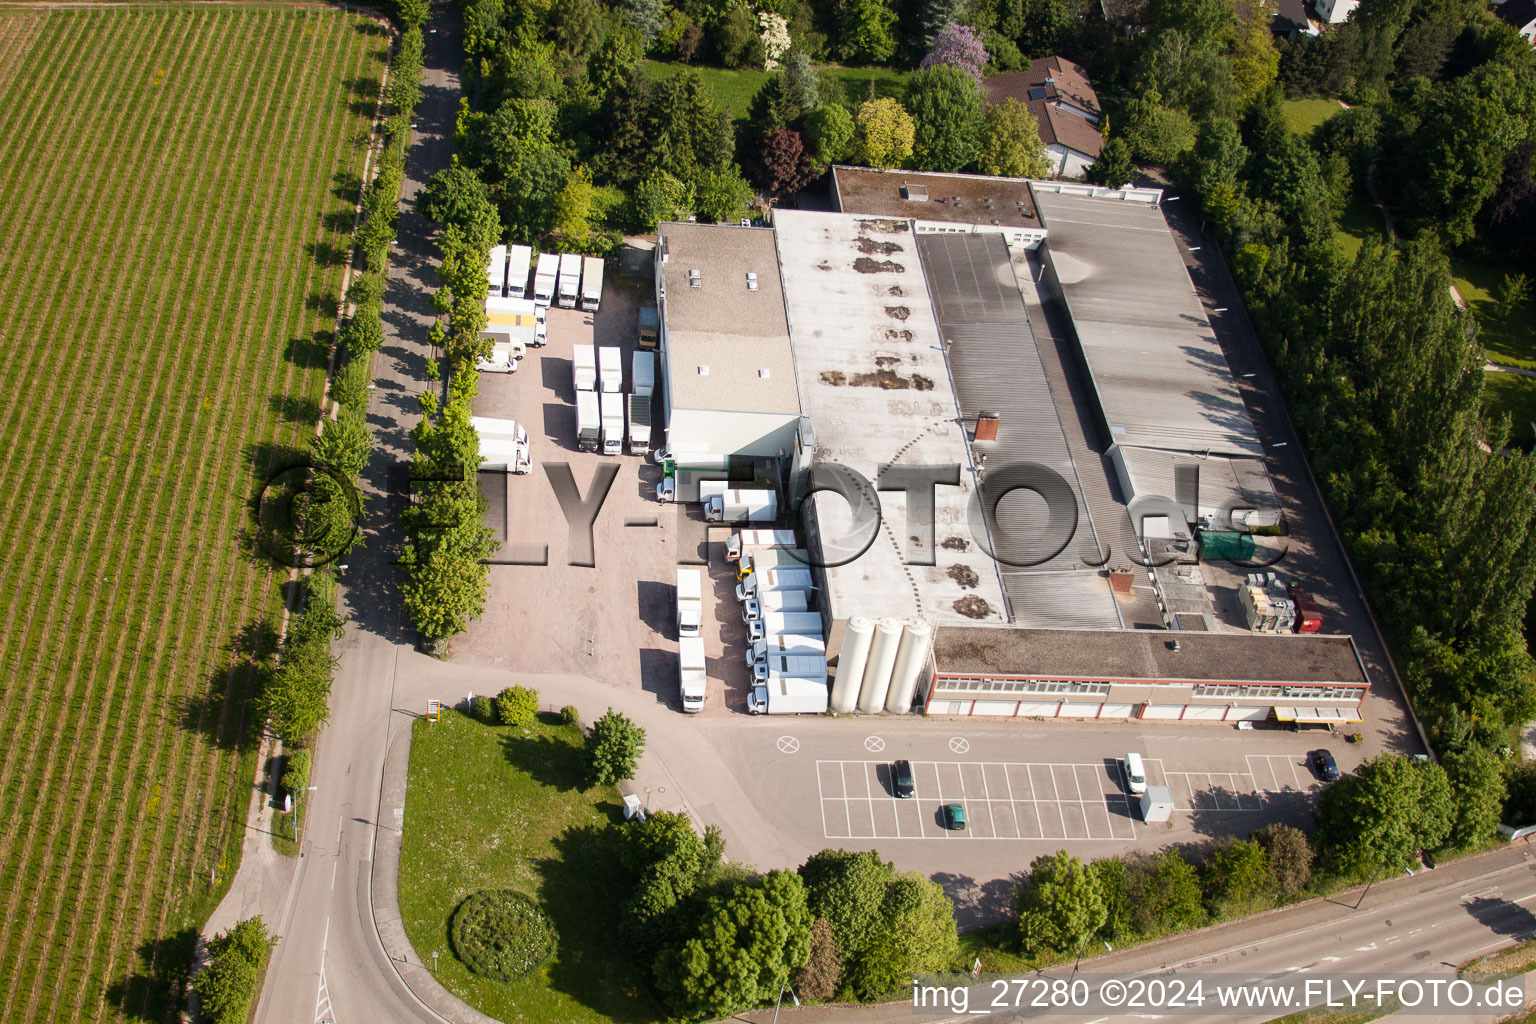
[{"x": 1028, "y": 800}]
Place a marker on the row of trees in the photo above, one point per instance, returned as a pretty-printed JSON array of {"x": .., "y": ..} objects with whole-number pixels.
[
  {"x": 228, "y": 985},
  {"x": 718, "y": 938}
]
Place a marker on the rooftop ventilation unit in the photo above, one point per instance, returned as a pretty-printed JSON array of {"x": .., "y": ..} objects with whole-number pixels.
[
  {"x": 751, "y": 281},
  {"x": 915, "y": 193},
  {"x": 703, "y": 370},
  {"x": 695, "y": 279},
  {"x": 763, "y": 373},
  {"x": 986, "y": 426}
]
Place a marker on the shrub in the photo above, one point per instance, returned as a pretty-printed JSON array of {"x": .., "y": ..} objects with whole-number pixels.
[
  {"x": 501, "y": 934},
  {"x": 517, "y": 705},
  {"x": 296, "y": 772},
  {"x": 613, "y": 748},
  {"x": 569, "y": 715},
  {"x": 228, "y": 985},
  {"x": 483, "y": 710}
]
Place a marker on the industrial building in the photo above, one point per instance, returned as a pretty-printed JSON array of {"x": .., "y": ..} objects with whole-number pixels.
[{"x": 898, "y": 334}]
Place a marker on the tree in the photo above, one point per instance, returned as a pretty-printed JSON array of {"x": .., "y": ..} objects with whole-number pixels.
[
  {"x": 915, "y": 934},
  {"x": 1252, "y": 56},
  {"x": 1112, "y": 168},
  {"x": 1060, "y": 907},
  {"x": 748, "y": 944},
  {"x": 1382, "y": 815},
  {"x": 956, "y": 46},
  {"x": 737, "y": 43},
  {"x": 578, "y": 26},
  {"x": 948, "y": 113},
  {"x": 829, "y": 130},
  {"x": 782, "y": 165},
  {"x": 862, "y": 31},
  {"x": 1166, "y": 897},
  {"x": 659, "y": 197},
  {"x": 411, "y": 13},
  {"x": 883, "y": 133},
  {"x": 1477, "y": 791},
  {"x": 1290, "y": 859},
  {"x": 1113, "y": 876},
  {"x": 573, "y": 209},
  {"x": 643, "y": 15},
  {"x": 1236, "y": 877},
  {"x": 517, "y": 705},
  {"x": 295, "y": 698},
  {"x": 802, "y": 86},
  {"x": 1011, "y": 144},
  {"x": 1155, "y": 133},
  {"x": 721, "y": 196},
  {"x": 817, "y": 981},
  {"x": 847, "y": 891},
  {"x": 344, "y": 445},
  {"x": 228, "y": 985},
  {"x": 296, "y": 766},
  {"x": 613, "y": 747},
  {"x": 1513, "y": 291},
  {"x": 443, "y": 591}
]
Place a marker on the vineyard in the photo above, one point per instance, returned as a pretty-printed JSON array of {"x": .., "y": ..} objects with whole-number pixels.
[{"x": 174, "y": 204}]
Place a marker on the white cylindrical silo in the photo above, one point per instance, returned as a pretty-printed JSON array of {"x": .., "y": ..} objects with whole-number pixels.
[
  {"x": 911, "y": 656},
  {"x": 882, "y": 658},
  {"x": 850, "y": 664}
]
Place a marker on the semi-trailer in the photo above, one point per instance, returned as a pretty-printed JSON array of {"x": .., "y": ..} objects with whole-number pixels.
[
  {"x": 777, "y": 578},
  {"x": 782, "y": 623},
  {"x": 741, "y": 506},
  {"x": 690, "y": 602},
  {"x": 639, "y": 423},
  {"x": 496, "y": 272},
  {"x": 786, "y": 695},
  {"x": 591, "y": 283},
  {"x": 584, "y": 367},
  {"x": 743, "y": 539},
  {"x": 519, "y": 258},
  {"x": 611, "y": 408},
  {"x": 610, "y": 369},
  {"x": 569, "y": 285},
  {"x": 692, "y": 679},
  {"x": 545, "y": 277},
  {"x": 588, "y": 421}
]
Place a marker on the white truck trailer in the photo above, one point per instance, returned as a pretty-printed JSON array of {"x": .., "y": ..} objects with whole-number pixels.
[
  {"x": 569, "y": 285},
  {"x": 612, "y": 411},
  {"x": 741, "y": 506},
  {"x": 770, "y": 601},
  {"x": 496, "y": 273},
  {"x": 788, "y": 696},
  {"x": 691, "y": 677},
  {"x": 777, "y": 578},
  {"x": 503, "y": 445},
  {"x": 743, "y": 539},
  {"x": 639, "y": 408},
  {"x": 584, "y": 367},
  {"x": 519, "y": 258},
  {"x": 591, "y": 283},
  {"x": 758, "y": 559},
  {"x": 690, "y": 602},
  {"x": 588, "y": 421},
  {"x": 610, "y": 369},
  {"x": 643, "y": 373},
  {"x": 782, "y": 623},
  {"x": 545, "y": 276},
  {"x": 789, "y": 643},
  {"x": 791, "y": 666},
  {"x": 511, "y": 324}
]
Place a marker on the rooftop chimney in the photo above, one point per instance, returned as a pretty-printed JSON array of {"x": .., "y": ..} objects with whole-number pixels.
[{"x": 986, "y": 426}]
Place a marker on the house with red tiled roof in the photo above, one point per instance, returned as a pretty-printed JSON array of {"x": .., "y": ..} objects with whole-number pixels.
[{"x": 1060, "y": 96}]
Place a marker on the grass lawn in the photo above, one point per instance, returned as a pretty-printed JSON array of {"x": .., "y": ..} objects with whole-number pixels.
[
  {"x": 733, "y": 90},
  {"x": 492, "y": 807},
  {"x": 1516, "y": 395},
  {"x": 1510, "y": 340},
  {"x": 1516, "y": 959},
  {"x": 1326, "y": 1017},
  {"x": 1304, "y": 115},
  {"x": 169, "y": 226},
  {"x": 1359, "y": 221}
]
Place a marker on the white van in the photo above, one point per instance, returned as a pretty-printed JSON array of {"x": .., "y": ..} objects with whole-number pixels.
[{"x": 1135, "y": 774}]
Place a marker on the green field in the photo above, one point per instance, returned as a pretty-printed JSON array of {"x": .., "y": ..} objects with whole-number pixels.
[
  {"x": 1304, "y": 115},
  {"x": 500, "y": 807},
  {"x": 1511, "y": 339},
  {"x": 733, "y": 90},
  {"x": 177, "y": 185}
]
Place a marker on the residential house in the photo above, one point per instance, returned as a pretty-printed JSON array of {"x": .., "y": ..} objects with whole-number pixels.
[{"x": 1060, "y": 96}]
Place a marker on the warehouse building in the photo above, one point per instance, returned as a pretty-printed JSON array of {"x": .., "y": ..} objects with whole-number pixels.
[
  {"x": 942, "y": 203},
  {"x": 730, "y": 377}
]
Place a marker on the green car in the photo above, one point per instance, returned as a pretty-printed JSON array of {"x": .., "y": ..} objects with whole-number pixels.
[{"x": 954, "y": 816}]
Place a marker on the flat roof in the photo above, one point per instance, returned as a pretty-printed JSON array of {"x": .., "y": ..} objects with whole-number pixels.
[
  {"x": 727, "y": 343},
  {"x": 957, "y": 198},
  {"x": 1155, "y": 366},
  {"x": 1146, "y": 655},
  {"x": 875, "y": 390},
  {"x": 996, "y": 368}
]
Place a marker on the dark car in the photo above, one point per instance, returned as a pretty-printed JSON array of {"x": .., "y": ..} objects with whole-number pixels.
[
  {"x": 901, "y": 780},
  {"x": 1324, "y": 764}
]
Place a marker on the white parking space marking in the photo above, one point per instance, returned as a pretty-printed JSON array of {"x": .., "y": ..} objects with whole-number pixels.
[
  {"x": 1209, "y": 791},
  {"x": 1289, "y": 774}
]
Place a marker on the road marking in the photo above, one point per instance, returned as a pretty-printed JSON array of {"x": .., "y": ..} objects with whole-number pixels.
[
  {"x": 1365, "y": 949},
  {"x": 333, "y": 873},
  {"x": 874, "y": 744},
  {"x": 324, "y": 1012},
  {"x": 959, "y": 744},
  {"x": 788, "y": 744}
]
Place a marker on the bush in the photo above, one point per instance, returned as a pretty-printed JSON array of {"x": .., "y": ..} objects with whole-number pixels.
[
  {"x": 483, "y": 710},
  {"x": 296, "y": 772},
  {"x": 501, "y": 934},
  {"x": 228, "y": 985},
  {"x": 569, "y": 715},
  {"x": 517, "y": 705},
  {"x": 613, "y": 748}
]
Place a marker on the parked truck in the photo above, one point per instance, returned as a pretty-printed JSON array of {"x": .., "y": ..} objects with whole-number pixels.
[
  {"x": 584, "y": 367},
  {"x": 690, "y": 601},
  {"x": 496, "y": 272},
  {"x": 519, "y": 258},
  {"x": 789, "y": 643},
  {"x": 743, "y": 539},
  {"x": 509, "y": 320},
  {"x": 588, "y": 421},
  {"x": 648, "y": 331},
  {"x": 770, "y": 601},
  {"x": 691, "y": 677},
  {"x": 791, "y": 666},
  {"x": 503, "y": 445},
  {"x": 742, "y": 506},
  {"x": 643, "y": 373},
  {"x": 610, "y": 369},
  {"x": 1309, "y": 617},
  {"x": 545, "y": 276},
  {"x": 502, "y": 358},
  {"x": 788, "y": 696},
  {"x": 783, "y": 623},
  {"x": 591, "y": 283},
  {"x": 569, "y": 285},
  {"x": 778, "y": 578},
  {"x": 757, "y": 559},
  {"x": 639, "y": 423},
  {"x": 612, "y": 410}
]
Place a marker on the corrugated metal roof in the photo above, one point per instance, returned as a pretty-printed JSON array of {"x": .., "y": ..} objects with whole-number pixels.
[
  {"x": 1160, "y": 376},
  {"x": 996, "y": 368}
]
